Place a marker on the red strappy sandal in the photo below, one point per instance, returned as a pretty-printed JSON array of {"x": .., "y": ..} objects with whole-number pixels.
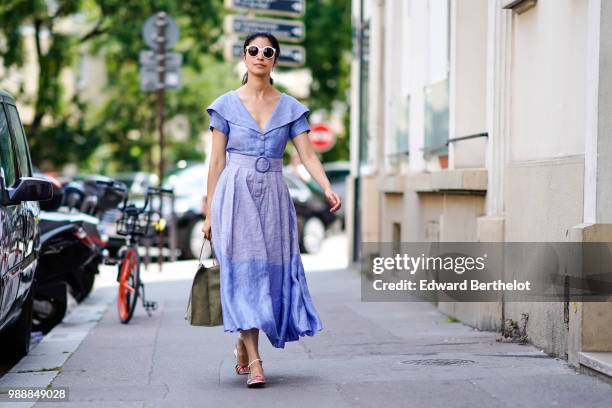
[{"x": 256, "y": 380}]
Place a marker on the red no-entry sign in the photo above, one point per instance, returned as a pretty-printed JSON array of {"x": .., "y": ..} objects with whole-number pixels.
[{"x": 321, "y": 137}]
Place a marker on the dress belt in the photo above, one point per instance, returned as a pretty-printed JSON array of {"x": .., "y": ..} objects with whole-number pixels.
[{"x": 262, "y": 164}]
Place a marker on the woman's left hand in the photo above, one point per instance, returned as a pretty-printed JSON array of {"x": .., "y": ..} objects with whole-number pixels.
[{"x": 333, "y": 199}]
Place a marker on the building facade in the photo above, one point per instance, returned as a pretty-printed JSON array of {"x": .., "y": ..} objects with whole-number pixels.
[{"x": 488, "y": 120}]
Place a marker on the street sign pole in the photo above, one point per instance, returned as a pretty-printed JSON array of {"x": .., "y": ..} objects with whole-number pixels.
[{"x": 161, "y": 68}]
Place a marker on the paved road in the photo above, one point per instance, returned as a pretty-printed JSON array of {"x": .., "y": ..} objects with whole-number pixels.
[{"x": 368, "y": 355}]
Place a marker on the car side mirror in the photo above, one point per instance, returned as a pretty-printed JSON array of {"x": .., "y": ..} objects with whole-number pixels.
[{"x": 27, "y": 189}]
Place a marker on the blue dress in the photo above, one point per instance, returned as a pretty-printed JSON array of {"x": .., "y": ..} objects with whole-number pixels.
[{"x": 254, "y": 224}]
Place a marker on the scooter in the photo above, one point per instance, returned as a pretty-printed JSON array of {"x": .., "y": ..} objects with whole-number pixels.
[
  {"x": 71, "y": 250},
  {"x": 70, "y": 253},
  {"x": 99, "y": 196}
]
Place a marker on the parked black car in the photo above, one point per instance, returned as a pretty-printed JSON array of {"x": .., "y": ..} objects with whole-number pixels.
[
  {"x": 312, "y": 210},
  {"x": 19, "y": 233},
  {"x": 337, "y": 172}
]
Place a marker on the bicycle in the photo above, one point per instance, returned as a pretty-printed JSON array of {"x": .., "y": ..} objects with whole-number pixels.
[{"x": 135, "y": 223}]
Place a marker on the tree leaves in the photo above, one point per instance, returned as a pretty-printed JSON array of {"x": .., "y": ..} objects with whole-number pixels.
[{"x": 116, "y": 128}]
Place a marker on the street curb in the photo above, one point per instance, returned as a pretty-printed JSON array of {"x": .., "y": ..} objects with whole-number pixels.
[{"x": 46, "y": 360}]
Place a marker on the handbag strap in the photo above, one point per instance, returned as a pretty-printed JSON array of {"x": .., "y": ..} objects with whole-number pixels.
[{"x": 211, "y": 247}]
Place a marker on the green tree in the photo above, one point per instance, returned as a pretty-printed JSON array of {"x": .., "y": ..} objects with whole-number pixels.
[
  {"x": 64, "y": 136},
  {"x": 127, "y": 120},
  {"x": 120, "y": 133},
  {"x": 328, "y": 46},
  {"x": 61, "y": 130}
]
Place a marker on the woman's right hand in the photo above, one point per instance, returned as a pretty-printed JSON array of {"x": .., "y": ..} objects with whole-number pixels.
[{"x": 206, "y": 229}]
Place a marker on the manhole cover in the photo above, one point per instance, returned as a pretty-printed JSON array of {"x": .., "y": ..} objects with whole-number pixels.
[{"x": 437, "y": 361}]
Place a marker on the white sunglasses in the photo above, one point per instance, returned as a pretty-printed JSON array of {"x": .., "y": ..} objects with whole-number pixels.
[{"x": 267, "y": 51}]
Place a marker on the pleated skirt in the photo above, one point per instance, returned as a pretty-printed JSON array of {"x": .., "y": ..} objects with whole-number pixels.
[{"x": 255, "y": 239}]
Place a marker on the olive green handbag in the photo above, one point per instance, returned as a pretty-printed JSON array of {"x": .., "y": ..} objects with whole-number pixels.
[{"x": 204, "y": 305}]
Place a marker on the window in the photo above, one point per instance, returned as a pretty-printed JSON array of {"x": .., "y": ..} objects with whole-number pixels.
[
  {"x": 436, "y": 119},
  {"x": 519, "y": 6},
  {"x": 402, "y": 126},
  {"x": 7, "y": 159},
  {"x": 23, "y": 156},
  {"x": 437, "y": 88},
  {"x": 400, "y": 69}
]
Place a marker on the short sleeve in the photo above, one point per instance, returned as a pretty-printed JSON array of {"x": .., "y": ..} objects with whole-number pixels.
[
  {"x": 217, "y": 121},
  {"x": 299, "y": 125}
]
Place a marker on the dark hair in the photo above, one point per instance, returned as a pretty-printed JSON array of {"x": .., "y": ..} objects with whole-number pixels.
[{"x": 248, "y": 41}]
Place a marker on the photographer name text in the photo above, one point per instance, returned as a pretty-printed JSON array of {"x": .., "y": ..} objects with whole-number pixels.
[{"x": 472, "y": 284}]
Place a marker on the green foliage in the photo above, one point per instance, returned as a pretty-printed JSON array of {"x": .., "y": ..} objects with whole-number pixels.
[
  {"x": 54, "y": 51},
  {"x": 452, "y": 319},
  {"x": 67, "y": 140},
  {"x": 127, "y": 120},
  {"x": 118, "y": 130},
  {"x": 112, "y": 29},
  {"x": 328, "y": 45},
  {"x": 328, "y": 55},
  {"x": 134, "y": 113}
]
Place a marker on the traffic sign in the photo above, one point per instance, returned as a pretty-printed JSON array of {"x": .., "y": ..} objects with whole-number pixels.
[
  {"x": 150, "y": 58},
  {"x": 284, "y": 30},
  {"x": 150, "y": 30},
  {"x": 149, "y": 78},
  {"x": 290, "y": 56},
  {"x": 321, "y": 137},
  {"x": 294, "y": 8}
]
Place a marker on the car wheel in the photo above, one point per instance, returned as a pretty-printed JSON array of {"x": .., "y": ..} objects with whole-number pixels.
[
  {"x": 313, "y": 234},
  {"x": 15, "y": 342}
]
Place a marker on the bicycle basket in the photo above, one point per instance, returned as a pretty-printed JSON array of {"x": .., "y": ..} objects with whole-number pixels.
[{"x": 134, "y": 223}]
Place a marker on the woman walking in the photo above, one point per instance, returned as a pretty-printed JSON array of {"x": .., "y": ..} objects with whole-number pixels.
[{"x": 250, "y": 216}]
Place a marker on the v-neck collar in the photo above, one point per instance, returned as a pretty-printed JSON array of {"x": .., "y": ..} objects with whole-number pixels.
[{"x": 270, "y": 120}]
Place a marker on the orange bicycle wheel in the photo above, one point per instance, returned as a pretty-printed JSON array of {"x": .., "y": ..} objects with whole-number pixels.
[{"x": 129, "y": 282}]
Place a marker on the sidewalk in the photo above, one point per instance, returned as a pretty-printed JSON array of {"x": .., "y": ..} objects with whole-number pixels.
[{"x": 368, "y": 355}]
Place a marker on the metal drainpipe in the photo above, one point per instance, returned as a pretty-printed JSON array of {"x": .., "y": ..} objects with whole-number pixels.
[{"x": 357, "y": 182}]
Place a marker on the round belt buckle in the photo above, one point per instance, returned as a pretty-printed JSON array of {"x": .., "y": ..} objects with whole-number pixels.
[{"x": 267, "y": 166}]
